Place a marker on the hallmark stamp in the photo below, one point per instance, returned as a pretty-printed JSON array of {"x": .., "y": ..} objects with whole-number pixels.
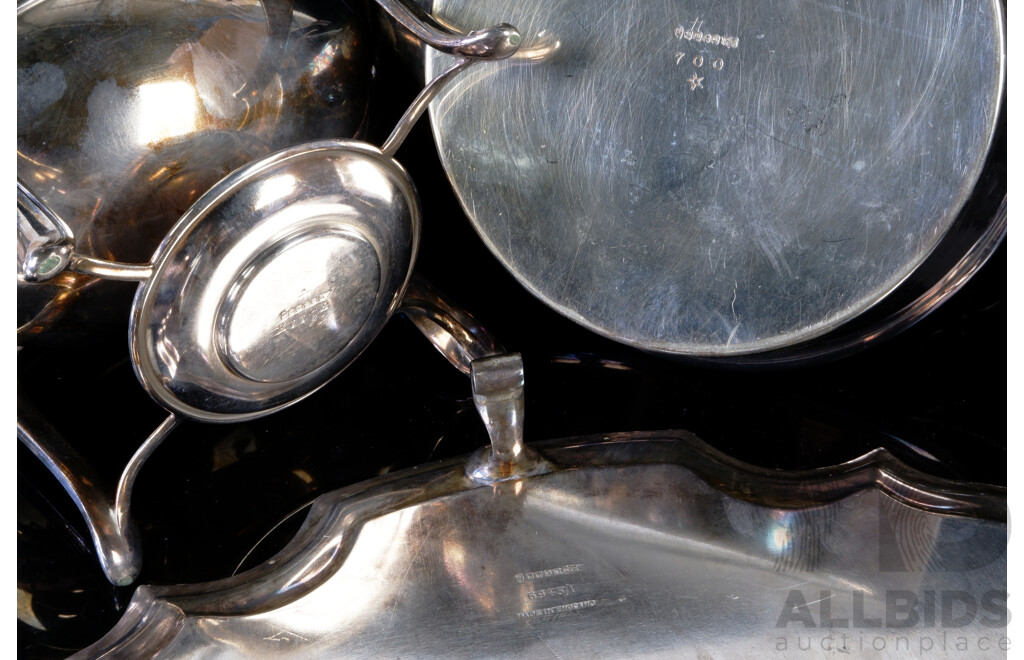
[
  {"x": 695, "y": 34},
  {"x": 570, "y": 569},
  {"x": 563, "y": 590},
  {"x": 569, "y": 608},
  {"x": 311, "y": 312}
]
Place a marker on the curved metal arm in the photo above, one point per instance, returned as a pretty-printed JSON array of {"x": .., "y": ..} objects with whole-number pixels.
[
  {"x": 493, "y": 43},
  {"x": 114, "y": 536},
  {"x": 497, "y": 379},
  {"x": 46, "y": 247},
  {"x": 419, "y": 106},
  {"x": 45, "y": 242},
  {"x": 453, "y": 331},
  {"x": 123, "y": 496},
  {"x": 110, "y": 270}
]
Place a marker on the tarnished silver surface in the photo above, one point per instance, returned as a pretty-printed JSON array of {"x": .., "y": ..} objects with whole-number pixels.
[
  {"x": 729, "y": 178},
  {"x": 270, "y": 284},
  {"x": 651, "y": 545},
  {"x": 266, "y": 289},
  {"x": 129, "y": 111},
  {"x": 282, "y": 273}
]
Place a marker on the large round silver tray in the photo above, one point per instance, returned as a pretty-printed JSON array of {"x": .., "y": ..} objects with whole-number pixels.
[{"x": 738, "y": 178}]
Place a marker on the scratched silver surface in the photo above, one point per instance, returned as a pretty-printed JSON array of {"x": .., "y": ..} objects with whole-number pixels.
[
  {"x": 721, "y": 178},
  {"x": 653, "y": 545}
]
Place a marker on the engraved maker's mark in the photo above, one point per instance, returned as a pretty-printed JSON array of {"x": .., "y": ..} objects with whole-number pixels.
[
  {"x": 696, "y": 35},
  {"x": 552, "y": 593},
  {"x": 569, "y": 608},
  {"x": 563, "y": 590},
  {"x": 310, "y": 313},
  {"x": 529, "y": 576}
]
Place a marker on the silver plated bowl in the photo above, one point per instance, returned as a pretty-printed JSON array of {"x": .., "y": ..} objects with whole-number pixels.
[{"x": 129, "y": 111}]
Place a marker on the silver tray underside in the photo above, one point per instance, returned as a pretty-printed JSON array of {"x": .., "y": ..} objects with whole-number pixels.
[{"x": 721, "y": 179}]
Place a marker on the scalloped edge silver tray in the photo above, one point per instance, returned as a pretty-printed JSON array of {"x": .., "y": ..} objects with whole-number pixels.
[{"x": 648, "y": 544}]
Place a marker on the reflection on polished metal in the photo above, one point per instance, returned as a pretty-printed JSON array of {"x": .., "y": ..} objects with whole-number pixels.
[
  {"x": 452, "y": 330},
  {"x": 734, "y": 180},
  {"x": 128, "y": 111},
  {"x": 280, "y": 274},
  {"x": 274, "y": 281},
  {"x": 645, "y": 544},
  {"x": 498, "y": 396},
  {"x": 494, "y": 43},
  {"x": 44, "y": 240},
  {"x": 116, "y": 545},
  {"x": 271, "y": 283},
  {"x": 46, "y": 247},
  {"x": 106, "y": 514}
]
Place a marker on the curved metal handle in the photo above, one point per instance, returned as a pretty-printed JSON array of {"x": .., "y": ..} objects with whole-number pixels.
[
  {"x": 419, "y": 106},
  {"x": 46, "y": 247},
  {"x": 45, "y": 243},
  {"x": 493, "y": 43},
  {"x": 497, "y": 379},
  {"x": 108, "y": 518},
  {"x": 453, "y": 331}
]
